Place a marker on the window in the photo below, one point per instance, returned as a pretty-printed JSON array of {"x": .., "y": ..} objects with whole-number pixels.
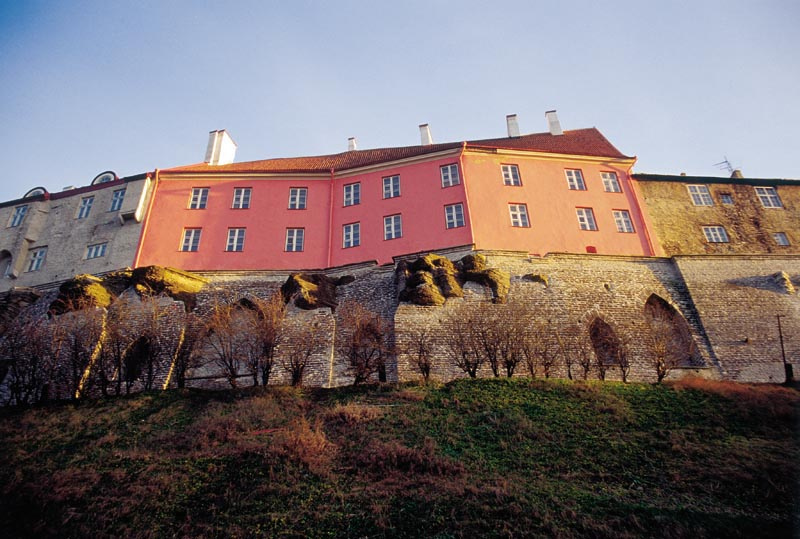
[
  {"x": 454, "y": 215},
  {"x": 769, "y": 197},
  {"x": 781, "y": 238},
  {"x": 86, "y": 207},
  {"x": 392, "y": 227},
  {"x": 575, "y": 180},
  {"x": 241, "y": 198},
  {"x": 351, "y": 235},
  {"x": 726, "y": 199},
  {"x": 700, "y": 195},
  {"x": 715, "y": 234},
  {"x": 294, "y": 239},
  {"x": 610, "y": 182},
  {"x": 511, "y": 175},
  {"x": 19, "y": 216},
  {"x": 391, "y": 187},
  {"x": 519, "y": 215},
  {"x": 352, "y": 194},
  {"x": 37, "y": 259},
  {"x": 623, "y": 220},
  {"x": 449, "y": 175},
  {"x": 199, "y": 198},
  {"x": 586, "y": 218},
  {"x": 96, "y": 251},
  {"x": 297, "y": 198},
  {"x": 191, "y": 239},
  {"x": 116, "y": 199},
  {"x": 235, "y": 240}
]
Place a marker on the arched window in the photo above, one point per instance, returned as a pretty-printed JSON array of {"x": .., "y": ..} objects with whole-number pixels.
[
  {"x": 604, "y": 341},
  {"x": 668, "y": 325}
]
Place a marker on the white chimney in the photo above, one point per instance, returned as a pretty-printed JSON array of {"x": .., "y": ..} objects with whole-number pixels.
[
  {"x": 425, "y": 135},
  {"x": 552, "y": 122},
  {"x": 351, "y": 144},
  {"x": 512, "y": 125},
  {"x": 221, "y": 148}
]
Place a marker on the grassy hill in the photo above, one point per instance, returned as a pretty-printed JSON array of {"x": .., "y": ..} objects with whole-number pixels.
[{"x": 474, "y": 458}]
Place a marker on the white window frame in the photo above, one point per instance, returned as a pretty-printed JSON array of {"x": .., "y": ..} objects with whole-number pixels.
[
  {"x": 700, "y": 195},
  {"x": 519, "y": 215},
  {"x": 781, "y": 239},
  {"x": 611, "y": 182},
  {"x": 117, "y": 198},
  {"x": 454, "y": 215},
  {"x": 575, "y": 180},
  {"x": 716, "y": 234},
  {"x": 37, "y": 258},
  {"x": 19, "y": 216},
  {"x": 392, "y": 227},
  {"x": 511, "y": 175},
  {"x": 190, "y": 241},
  {"x": 241, "y": 198},
  {"x": 623, "y": 220},
  {"x": 391, "y": 186},
  {"x": 298, "y": 197},
  {"x": 586, "y": 220},
  {"x": 351, "y": 235},
  {"x": 769, "y": 197},
  {"x": 449, "y": 175},
  {"x": 235, "y": 242},
  {"x": 86, "y": 207},
  {"x": 295, "y": 240},
  {"x": 352, "y": 194},
  {"x": 96, "y": 250},
  {"x": 199, "y": 198}
]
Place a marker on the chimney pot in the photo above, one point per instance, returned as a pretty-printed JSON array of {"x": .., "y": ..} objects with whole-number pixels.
[
  {"x": 737, "y": 173},
  {"x": 221, "y": 148},
  {"x": 351, "y": 144},
  {"x": 512, "y": 125},
  {"x": 426, "y": 139},
  {"x": 552, "y": 123}
]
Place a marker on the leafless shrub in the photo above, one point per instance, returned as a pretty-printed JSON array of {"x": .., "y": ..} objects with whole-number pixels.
[
  {"x": 661, "y": 343},
  {"x": 460, "y": 344},
  {"x": 420, "y": 349},
  {"x": 302, "y": 340},
  {"x": 576, "y": 349},
  {"x": 364, "y": 341},
  {"x": 262, "y": 334},
  {"x": 223, "y": 333}
]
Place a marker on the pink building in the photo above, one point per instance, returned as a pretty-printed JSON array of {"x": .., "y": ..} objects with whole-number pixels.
[{"x": 550, "y": 192}]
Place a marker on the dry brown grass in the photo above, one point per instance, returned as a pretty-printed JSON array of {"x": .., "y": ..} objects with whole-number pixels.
[
  {"x": 353, "y": 413},
  {"x": 766, "y": 398}
]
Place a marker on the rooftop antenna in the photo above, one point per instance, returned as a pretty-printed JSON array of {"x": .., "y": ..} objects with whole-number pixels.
[{"x": 725, "y": 165}]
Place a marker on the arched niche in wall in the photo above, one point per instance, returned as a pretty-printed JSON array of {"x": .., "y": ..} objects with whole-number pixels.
[
  {"x": 668, "y": 325},
  {"x": 605, "y": 342},
  {"x": 6, "y": 261}
]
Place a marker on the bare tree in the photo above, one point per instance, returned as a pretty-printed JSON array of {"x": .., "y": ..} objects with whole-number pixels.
[
  {"x": 302, "y": 340},
  {"x": 263, "y": 321},
  {"x": 574, "y": 341},
  {"x": 544, "y": 346},
  {"x": 624, "y": 355},
  {"x": 420, "y": 349},
  {"x": 511, "y": 331},
  {"x": 662, "y": 344},
  {"x": 27, "y": 351},
  {"x": 459, "y": 339},
  {"x": 185, "y": 356},
  {"x": 80, "y": 329},
  {"x": 486, "y": 331},
  {"x": 364, "y": 341},
  {"x": 223, "y": 334}
]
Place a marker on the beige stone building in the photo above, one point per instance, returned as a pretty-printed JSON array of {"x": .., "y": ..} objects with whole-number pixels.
[
  {"x": 711, "y": 215},
  {"x": 50, "y": 237}
]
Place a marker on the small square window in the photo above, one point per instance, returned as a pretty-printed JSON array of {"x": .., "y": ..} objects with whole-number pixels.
[
  {"x": 769, "y": 197},
  {"x": 700, "y": 195},
  {"x": 295, "y": 238},
  {"x": 610, "y": 182},
  {"x": 449, "y": 175},
  {"x": 781, "y": 239},
  {"x": 392, "y": 227},
  {"x": 575, "y": 180},
  {"x": 37, "y": 259},
  {"x": 19, "y": 216},
  {"x": 519, "y": 215},
  {"x": 85, "y": 208},
  {"x": 97, "y": 250},
  {"x": 391, "y": 187},
  {"x": 191, "y": 239},
  {"x": 199, "y": 198},
  {"x": 297, "y": 198},
  {"x": 715, "y": 234},
  {"x": 235, "y": 240},
  {"x": 454, "y": 215},
  {"x": 586, "y": 218},
  {"x": 351, "y": 235},
  {"x": 241, "y": 198},
  {"x": 116, "y": 200},
  {"x": 511, "y": 175},
  {"x": 623, "y": 220},
  {"x": 352, "y": 194},
  {"x": 726, "y": 198}
]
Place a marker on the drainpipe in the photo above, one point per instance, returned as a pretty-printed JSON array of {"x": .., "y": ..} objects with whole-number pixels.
[
  {"x": 466, "y": 194},
  {"x": 330, "y": 223},
  {"x": 146, "y": 219}
]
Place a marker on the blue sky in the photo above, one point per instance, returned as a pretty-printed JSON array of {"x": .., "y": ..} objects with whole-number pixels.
[{"x": 132, "y": 86}]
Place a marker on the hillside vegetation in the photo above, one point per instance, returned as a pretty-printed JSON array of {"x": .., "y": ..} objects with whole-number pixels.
[{"x": 474, "y": 458}]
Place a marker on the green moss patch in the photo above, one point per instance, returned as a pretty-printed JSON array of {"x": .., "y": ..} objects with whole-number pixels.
[
  {"x": 313, "y": 290},
  {"x": 431, "y": 279}
]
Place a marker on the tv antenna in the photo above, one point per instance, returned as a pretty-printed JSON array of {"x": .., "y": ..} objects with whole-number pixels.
[{"x": 725, "y": 165}]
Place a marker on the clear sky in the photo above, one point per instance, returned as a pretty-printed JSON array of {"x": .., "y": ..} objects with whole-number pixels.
[{"x": 132, "y": 86}]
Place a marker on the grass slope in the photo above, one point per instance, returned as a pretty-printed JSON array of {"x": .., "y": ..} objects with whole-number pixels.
[{"x": 474, "y": 458}]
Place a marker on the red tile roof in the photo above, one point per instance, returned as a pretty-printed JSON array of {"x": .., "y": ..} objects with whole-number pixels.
[{"x": 576, "y": 142}]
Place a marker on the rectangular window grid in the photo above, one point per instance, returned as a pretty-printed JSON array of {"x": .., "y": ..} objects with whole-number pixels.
[
  {"x": 19, "y": 216},
  {"x": 37, "y": 259},
  {"x": 191, "y": 239},
  {"x": 623, "y": 220},
  {"x": 449, "y": 175},
  {"x": 769, "y": 197},
  {"x": 511, "y": 175},
  {"x": 86, "y": 207},
  {"x": 700, "y": 195},
  {"x": 297, "y": 198},
  {"x": 781, "y": 238},
  {"x": 610, "y": 182},
  {"x": 294, "y": 239},
  {"x": 586, "y": 218},
  {"x": 392, "y": 227},
  {"x": 391, "y": 187},
  {"x": 575, "y": 180},
  {"x": 726, "y": 198},
  {"x": 97, "y": 250},
  {"x": 351, "y": 235},
  {"x": 235, "y": 240},
  {"x": 715, "y": 234},
  {"x": 519, "y": 215},
  {"x": 241, "y": 198},
  {"x": 116, "y": 199},
  {"x": 454, "y": 215},
  {"x": 199, "y": 198},
  {"x": 352, "y": 194}
]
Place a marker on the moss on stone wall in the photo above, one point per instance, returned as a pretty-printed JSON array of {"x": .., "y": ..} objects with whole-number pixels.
[
  {"x": 313, "y": 290},
  {"x": 431, "y": 279}
]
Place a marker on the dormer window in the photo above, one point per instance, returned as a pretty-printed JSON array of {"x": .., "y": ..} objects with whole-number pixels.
[{"x": 19, "y": 216}]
